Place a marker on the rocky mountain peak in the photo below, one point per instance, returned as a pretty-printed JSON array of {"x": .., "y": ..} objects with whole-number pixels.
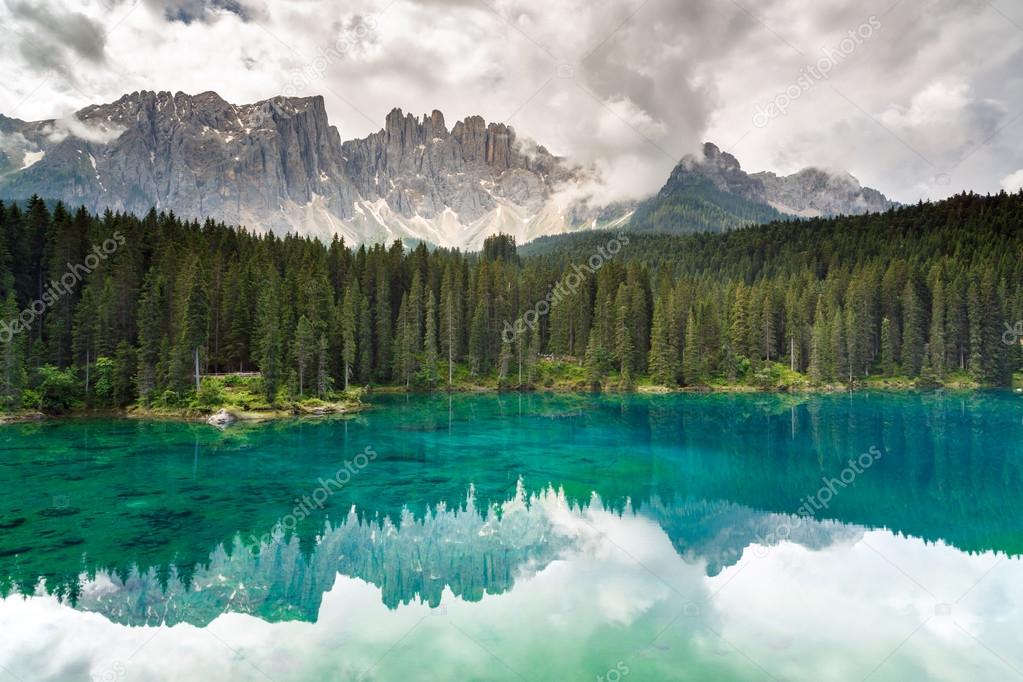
[
  {"x": 815, "y": 191},
  {"x": 720, "y": 169},
  {"x": 278, "y": 164}
]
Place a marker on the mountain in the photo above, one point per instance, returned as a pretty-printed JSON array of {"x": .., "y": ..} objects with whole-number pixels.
[
  {"x": 278, "y": 164},
  {"x": 711, "y": 193},
  {"x": 815, "y": 193}
]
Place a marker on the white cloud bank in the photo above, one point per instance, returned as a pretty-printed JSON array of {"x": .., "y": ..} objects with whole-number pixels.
[{"x": 928, "y": 106}]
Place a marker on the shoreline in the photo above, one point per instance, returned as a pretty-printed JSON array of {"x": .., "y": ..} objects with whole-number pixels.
[
  {"x": 191, "y": 415},
  {"x": 240, "y": 416}
]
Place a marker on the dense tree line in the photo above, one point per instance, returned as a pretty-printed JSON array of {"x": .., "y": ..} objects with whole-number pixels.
[{"x": 153, "y": 303}]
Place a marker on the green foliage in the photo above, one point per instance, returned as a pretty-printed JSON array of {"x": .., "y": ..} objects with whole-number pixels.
[
  {"x": 58, "y": 389},
  {"x": 683, "y": 206},
  {"x": 105, "y": 373},
  {"x": 922, "y": 290},
  {"x": 211, "y": 393}
]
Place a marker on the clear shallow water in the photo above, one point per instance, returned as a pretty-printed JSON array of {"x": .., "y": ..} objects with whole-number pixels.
[{"x": 523, "y": 537}]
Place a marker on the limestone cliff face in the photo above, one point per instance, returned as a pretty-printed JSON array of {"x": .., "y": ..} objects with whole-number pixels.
[
  {"x": 420, "y": 168},
  {"x": 196, "y": 155},
  {"x": 279, "y": 165},
  {"x": 817, "y": 192}
]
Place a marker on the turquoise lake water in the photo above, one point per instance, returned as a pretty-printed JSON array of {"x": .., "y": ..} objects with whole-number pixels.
[{"x": 523, "y": 537}]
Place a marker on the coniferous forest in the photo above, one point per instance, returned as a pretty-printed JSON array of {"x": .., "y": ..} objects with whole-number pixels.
[{"x": 111, "y": 310}]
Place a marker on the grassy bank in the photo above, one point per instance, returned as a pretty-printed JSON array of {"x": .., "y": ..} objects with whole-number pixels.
[
  {"x": 569, "y": 375},
  {"x": 243, "y": 396}
]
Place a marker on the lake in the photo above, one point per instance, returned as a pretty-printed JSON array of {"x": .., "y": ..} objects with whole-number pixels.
[{"x": 523, "y": 537}]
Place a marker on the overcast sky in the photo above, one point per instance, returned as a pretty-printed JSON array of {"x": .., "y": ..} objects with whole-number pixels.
[{"x": 918, "y": 98}]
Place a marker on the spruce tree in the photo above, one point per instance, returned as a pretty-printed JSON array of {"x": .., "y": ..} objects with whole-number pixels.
[
  {"x": 384, "y": 324},
  {"x": 349, "y": 329},
  {"x": 936, "y": 344},
  {"x": 662, "y": 362},
  {"x": 12, "y": 358},
  {"x": 692, "y": 362},
  {"x": 269, "y": 337},
  {"x": 887, "y": 344},
  {"x": 430, "y": 350},
  {"x": 839, "y": 348},
  {"x": 323, "y": 368},
  {"x": 914, "y": 330},
  {"x": 595, "y": 362},
  {"x": 624, "y": 348},
  {"x": 365, "y": 342},
  {"x": 533, "y": 354},
  {"x": 305, "y": 349}
]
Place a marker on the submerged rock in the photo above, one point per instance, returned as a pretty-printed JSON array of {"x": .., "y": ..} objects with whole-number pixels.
[{"x": 222, "y": 418}]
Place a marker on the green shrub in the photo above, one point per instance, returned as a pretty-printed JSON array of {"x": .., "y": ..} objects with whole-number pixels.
[
  {"x": 211, "y": 393},
  {"x": 57, "y": 389},
  {"x": 167, "y": 399}
]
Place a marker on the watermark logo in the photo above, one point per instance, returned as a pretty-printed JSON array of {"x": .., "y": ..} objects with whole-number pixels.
[
  {"x": 615, "y": 674},
  {"x": 113, "y": 672},
  {"x": 299, "y": 80},
  {"x": 566, "y": 286},
  {"x": 305, "y": 505},
  {"x": 57, "y": 288},
  {"x": 1013, "y": 333},
  {"x": 821, "y": 499},
  {"x": 814, "y": 73}
]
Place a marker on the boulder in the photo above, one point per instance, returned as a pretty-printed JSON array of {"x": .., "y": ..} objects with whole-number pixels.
[{"x": 221, "y": 419}]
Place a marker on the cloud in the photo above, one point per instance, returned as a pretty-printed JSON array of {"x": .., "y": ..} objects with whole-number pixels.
[
  {"x": 13, "y": 148},
  {"x": 188, "y": 11},
  {"x": 625, "y": 86},
  {"x": 90, "y": 131},
  {"x": 58, "y": 31},
  {"x": 1013, "y": 182}
]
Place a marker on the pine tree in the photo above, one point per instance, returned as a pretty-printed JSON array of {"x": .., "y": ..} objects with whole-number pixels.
[
  {"x": 928, "y": 379},
  {"x": 913, "y": 332},
  {"x": 504, "y": 362},
  {"x": 595, "y": 361},
  {"x": 478, "y": 341},
  {"x": 887, "y": 344},
  {"x": 451, "y": 318},
  {"x": 431, "y": 352},
  {"x": 936, "y": 344},
  {"x": 624, "y": 348},
  {"x": 533, "y": 354},
  {"x": 152, "y": 323},
  {"x": 976, "y": 326},
  {"x": 692, "y": 363},
  {"x": 383, "y": 324},
  {"x": 12, "y": 357},
  {"x": 305, "y": 348},
  {"x": 323, "y": 368},
  {"x": 365, "y": 342},
  {"x": 191, "y": 345},
  {"x": 269, "y": 338},
  {"x": 349, "y": 329},
  {"x": 839, "y": 348},
  {"x": 662, "y": 362},
  {"x": 739, "y": 331},
  {"x": 416, "y": 304},
  {"x": 818, "y": 343},
  {"x": 768, "y": 325},
  {"x": 404, "y": 344},
  {"x": 123, "y": 392}
]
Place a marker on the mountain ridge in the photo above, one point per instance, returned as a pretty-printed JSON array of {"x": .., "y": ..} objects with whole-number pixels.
[{"x": 278, "y": 164}]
